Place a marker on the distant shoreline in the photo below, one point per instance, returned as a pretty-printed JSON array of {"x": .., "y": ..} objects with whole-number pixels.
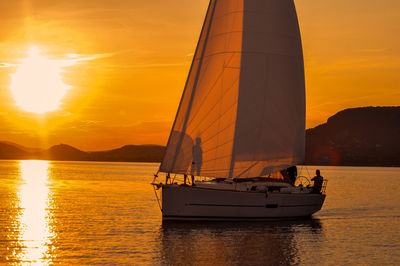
[
  {"x": 63, "y": 152},
  {"x": 356, "y": 137},
  {"x": 78, "y": 161},
  {"x": 138, "y": 162}
]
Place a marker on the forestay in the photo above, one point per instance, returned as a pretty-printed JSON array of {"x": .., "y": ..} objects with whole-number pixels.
[{"x": 242, "y": 113}]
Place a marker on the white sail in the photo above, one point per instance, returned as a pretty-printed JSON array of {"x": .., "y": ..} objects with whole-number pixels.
[{"x": 242, "y": 113}]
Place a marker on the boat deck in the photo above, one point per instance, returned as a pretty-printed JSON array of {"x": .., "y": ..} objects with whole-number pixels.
[{"x": 251, "y": 186}]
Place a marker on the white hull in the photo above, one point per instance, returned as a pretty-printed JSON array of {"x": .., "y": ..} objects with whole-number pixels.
[{"x": 213, "y": 202}]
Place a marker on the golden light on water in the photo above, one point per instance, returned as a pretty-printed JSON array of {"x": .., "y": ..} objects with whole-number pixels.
[
  {"x": 37, "y": 85},
  {"x": 34, "y": 216}
]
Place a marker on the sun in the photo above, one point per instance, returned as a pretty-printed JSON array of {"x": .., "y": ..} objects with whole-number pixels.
[{"x": 37, "y": 84}]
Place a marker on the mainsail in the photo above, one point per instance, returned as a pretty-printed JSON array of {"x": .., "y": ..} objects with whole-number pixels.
[{"x": 242, "y": 113}]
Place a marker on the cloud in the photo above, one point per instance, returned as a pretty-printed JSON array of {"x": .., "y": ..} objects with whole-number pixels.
[
  {"x": 5, "y": 65},
  {"x": 72, "y": 59},
  {"x": 140, "y": 66},
  {"x": 158, "y": 65},
  {"x": 76, "y": 58}
]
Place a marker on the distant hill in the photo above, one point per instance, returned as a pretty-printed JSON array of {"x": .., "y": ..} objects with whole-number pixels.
[
  {"x": 8, "y": 151},
  {"x": 129, "y": 153},
  {"x": 367, "y": 136},
  {"x": 62, "y": 152},
  {"x": 20, "y": 147}
]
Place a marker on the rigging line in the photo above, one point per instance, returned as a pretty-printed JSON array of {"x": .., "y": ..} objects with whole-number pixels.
[
  {"x": 228, "y": 89},
  {"x": 229, "y": 13},
  {"x": 269, "y": 162},
  {"x": 307, "y": 171},
  {"x": 218, "y": 145},
  {"x": 280, "y": 33},
  {"x": 231, "y": 67},
  {"x": 193, "y": 128},
  {"x": 226, "y": 33},
  {"x": 211, "y": 109},
  {"x": 206, "y": 173},
  {"x": 212, "y": 122},
  {"x": 251, "y": 52},
  {"x": 216, "y": 158},
  {"x": 222, "y": 53},
  {"x": 158, "y": 200},
  {"x": 217, "y": 134},
  {"x": 222, "y": 93},
  {"x": 225, "y": 170},
  {"x": 196, "y": 79},
  {"x": 247, "y": 169},
  {"x": 225, "y": 156},
  {"x": 212, "y": 88},
  {"x": 155, "y": 176},
  {"x": 301, "y": 169},
  {"x": 233, "y": 155},
  {"x": 215, "y": 170}
]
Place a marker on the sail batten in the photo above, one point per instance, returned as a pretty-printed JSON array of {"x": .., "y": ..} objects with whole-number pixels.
[{"x": 242, "y": 113}]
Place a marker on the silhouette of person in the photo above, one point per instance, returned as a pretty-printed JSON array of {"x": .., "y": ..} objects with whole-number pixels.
[
  {"x": 197, "y": 157},
  {"x": 292, "y": 173},
  {"x": 318, "y": 180}
]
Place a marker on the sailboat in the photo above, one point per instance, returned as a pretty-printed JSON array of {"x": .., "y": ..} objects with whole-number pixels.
[{"x": 241, "y": 119}]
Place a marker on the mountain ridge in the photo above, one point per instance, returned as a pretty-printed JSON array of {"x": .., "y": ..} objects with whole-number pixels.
[
  {"x": 64, "y": 152},
  {"x": 363, "y": 136}
]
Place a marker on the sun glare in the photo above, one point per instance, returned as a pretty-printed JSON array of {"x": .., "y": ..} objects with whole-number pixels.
[
  {"x": 37, "y": 85},
  {"x": 34, "y": 203}
]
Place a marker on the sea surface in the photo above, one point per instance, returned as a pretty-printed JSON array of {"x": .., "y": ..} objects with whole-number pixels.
[{"x": 87, "y": 213}]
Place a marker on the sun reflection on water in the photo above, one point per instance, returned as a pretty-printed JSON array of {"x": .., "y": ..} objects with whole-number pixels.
[{"x": 35, "y": 236}]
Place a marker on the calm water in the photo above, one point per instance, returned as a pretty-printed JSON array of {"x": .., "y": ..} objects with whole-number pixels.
[{"x": 106, "y": 213}]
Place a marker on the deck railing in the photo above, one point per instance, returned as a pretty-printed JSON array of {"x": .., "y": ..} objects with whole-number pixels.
[{"x": 324, "y": 184}]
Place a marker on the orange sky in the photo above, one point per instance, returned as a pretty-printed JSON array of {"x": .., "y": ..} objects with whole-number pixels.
[{"x": 138, "y": 54}]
